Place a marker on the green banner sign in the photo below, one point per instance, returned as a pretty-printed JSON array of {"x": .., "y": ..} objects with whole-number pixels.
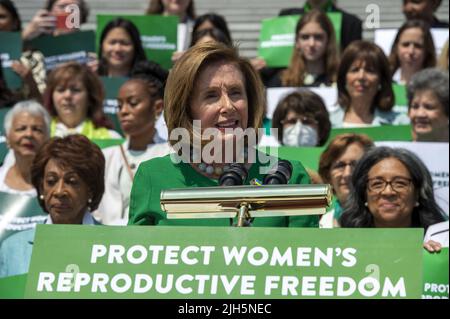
[
  {"x": 13, "y": 287},
  {"x": 378, "y": 133},
  {"x": 277, "y": 38},
  {"x": 110, "y": 104},
  {"x": 202, "y": 262},
  {"x": 11, "y": 49},
  {"x": 310, "y": 156},
  {"x": 158, "y": 35},
  {"x": 64, "y": 48},
  {"x": 435, "y": 275}
]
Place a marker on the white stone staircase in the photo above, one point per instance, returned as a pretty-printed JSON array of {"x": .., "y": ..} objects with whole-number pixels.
[{"x": 243, "y": 16}]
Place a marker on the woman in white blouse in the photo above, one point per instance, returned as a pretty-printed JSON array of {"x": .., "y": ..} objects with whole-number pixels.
[
  {"x": 26, "y": 129},
  {"x": 140, "y": 104}
]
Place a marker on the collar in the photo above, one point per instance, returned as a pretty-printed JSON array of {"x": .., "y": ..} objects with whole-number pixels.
[{"x": 327, "y": 7}]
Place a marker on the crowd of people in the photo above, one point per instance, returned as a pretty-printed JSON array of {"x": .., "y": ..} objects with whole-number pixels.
[{"x": 54, "y": 120}]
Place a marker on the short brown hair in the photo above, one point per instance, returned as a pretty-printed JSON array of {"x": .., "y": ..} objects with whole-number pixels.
[
  {"x": 157, "y": 7},
  {"x": 73, "y": 70},
  {"x": 428, "y": 45},
  {"x": 304, "y": 102},
  {"x": 375, "y": 58},
  {"x": 184, "y": 75},
  {"x": 337, "y": 147},
  {"x": 295, "y": 73},
  {"x": 75, "y": 152}
]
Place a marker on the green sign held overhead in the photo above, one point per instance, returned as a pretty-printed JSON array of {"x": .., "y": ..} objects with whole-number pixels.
[
  {"x": 57, "y": 50},
  {"x": 158, "y": 35},
  {"x": 110, "y": 104},
  {"x": 11, "y": 49},
  {"x": 277, "y": 38},
  {"x": 224, "y": 262}
]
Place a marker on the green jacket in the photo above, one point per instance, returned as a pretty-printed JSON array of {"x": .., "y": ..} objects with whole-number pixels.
[{"x": 160, "y": 173}]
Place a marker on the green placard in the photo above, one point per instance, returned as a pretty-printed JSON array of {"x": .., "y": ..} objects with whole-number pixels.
[
  {"x": 277, "y": 38},
  {"x": 224, "y": 262},
  {"x": 435, "y": 274},
  {"x": 378, "y": 133},
  {"x": 11, "y": 49},
  {"x": 110, "y": 104},
  {"x": 158, "y": 35},
  {"x": 64, "y": 48},
  {"x": 308, "y": 156},
  {"x": 108, "y": 142},
  {"x": 13, "y": 287}
]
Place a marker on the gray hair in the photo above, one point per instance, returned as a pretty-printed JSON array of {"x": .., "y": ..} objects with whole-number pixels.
[
  {"x": 30, "y": 106},
  {"x": 432, "y": 79}
]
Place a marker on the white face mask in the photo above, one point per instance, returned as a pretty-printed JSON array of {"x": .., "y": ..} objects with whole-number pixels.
[{"x": 300, "y": 135}]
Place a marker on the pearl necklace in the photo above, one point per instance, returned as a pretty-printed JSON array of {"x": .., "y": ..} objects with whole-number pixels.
[{"x": 211, "y": 170}]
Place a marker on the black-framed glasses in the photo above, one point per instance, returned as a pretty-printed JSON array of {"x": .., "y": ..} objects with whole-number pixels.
[{"x": 398, "y": 184}]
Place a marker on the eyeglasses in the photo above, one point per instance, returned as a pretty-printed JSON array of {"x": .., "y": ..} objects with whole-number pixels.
[
  {"x": 340, "y": 166},
  {"x": 306, "y": 120},
  {"x": 398, "y": 184}
]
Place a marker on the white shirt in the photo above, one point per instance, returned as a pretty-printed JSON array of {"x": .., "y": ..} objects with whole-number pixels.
[
  {"x": 6, "y": 189},
  {"x": 438, "y": 233},
  {"x": 114, "y": 206}
]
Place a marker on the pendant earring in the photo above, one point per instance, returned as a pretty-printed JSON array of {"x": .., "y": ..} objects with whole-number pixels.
[
  {"x": 89, "y": 204},
  {"x": 41, "y": 197}
]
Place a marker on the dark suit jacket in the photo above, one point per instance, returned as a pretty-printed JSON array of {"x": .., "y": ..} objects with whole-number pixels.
[
  {"x": 351, "y": 25},
  {"x": 439, "y": 23}
]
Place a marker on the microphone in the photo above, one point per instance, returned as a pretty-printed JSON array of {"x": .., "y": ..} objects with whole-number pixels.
[
  {"x": 279, "y": 174},
  {"x": 235, "y": 175}
]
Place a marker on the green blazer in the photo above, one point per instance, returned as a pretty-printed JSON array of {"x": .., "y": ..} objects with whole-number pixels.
[{"x": 161, "y": 173}]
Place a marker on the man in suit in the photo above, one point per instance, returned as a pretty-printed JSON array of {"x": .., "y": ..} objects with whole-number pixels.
[
  {"x": 424, "y": 10},
  {"x": 351, "y": 29}
]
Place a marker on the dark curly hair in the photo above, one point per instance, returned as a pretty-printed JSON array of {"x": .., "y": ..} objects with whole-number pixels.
[{"x": 77, "y": 153}]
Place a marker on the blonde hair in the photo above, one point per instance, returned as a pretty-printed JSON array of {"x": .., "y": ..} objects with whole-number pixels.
[{"x": 181, "y": 84}]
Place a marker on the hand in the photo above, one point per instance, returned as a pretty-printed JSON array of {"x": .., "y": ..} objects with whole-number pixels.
[
  {"x": 177, "y": 55},
  {"x": 258, "y": 63},
  {"x": 432, "y": 246},
  {"x": 42, "y": 23},
  {"x": 24, "y": 72},
  {"x": 93, "y": 62}
]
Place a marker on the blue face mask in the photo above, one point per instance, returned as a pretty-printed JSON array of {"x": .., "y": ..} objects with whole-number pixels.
[{"x": 300, "y": 135}]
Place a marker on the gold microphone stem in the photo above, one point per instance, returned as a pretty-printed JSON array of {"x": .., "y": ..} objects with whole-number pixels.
[{"x": 243, "y": 212}]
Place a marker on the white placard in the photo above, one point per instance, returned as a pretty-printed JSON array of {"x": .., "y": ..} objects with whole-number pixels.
[
  {"x": 275, "y": 95},
  {"x": 435, "y": 156},
  {"x": 385, "y": 38}
]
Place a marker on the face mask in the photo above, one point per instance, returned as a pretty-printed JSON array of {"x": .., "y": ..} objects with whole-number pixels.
[{"x": 300, "y": 135}]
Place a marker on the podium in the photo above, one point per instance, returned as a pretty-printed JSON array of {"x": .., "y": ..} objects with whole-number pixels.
[{"x": 246, "y": 202}]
